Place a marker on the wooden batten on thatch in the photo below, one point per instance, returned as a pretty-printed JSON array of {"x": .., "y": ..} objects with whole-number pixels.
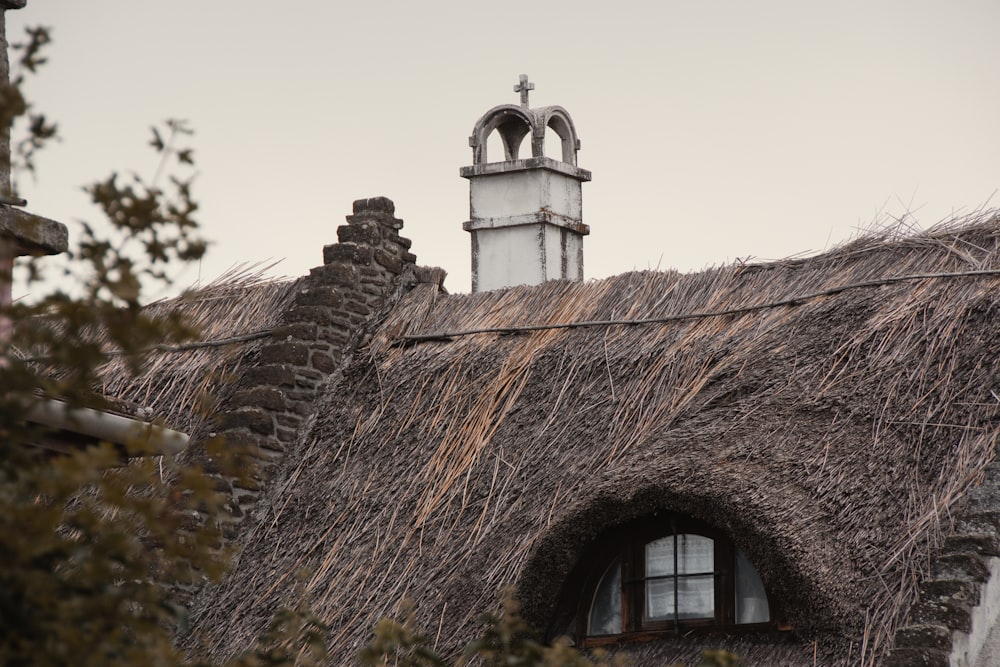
[{"x": 830, "y": 436}]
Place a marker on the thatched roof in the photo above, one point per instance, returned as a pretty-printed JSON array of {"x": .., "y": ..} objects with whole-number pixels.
[
  {"x": 180, "y": 385},
  {"x": 829, "y": 436}
]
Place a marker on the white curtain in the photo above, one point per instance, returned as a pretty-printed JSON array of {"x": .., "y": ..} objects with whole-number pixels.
[
  {"x": 751, "y": 600},
  {"x": 695, "y": 594}
]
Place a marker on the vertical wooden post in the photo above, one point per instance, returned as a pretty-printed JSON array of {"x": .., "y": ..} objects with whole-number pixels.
[
  {"x": 7, "y": 250},
  {"x": 21, "y": 233}
]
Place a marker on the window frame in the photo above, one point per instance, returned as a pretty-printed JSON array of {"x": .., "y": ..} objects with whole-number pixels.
[{"x": 629, "y": 543}]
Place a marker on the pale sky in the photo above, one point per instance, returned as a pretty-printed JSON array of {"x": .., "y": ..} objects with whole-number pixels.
[{"x": 715, "y": 130}]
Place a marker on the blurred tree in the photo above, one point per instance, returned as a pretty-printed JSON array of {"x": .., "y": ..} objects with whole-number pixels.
[
  {"x": 93, "y": 539},
  {"x": 505, "y": 641}
]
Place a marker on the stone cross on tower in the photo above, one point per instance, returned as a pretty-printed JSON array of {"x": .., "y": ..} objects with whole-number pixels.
[{"x": 523, "y": 87}]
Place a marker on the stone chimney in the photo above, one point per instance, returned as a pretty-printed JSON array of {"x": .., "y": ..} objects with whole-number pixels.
[{"x": 526, "y": 215}]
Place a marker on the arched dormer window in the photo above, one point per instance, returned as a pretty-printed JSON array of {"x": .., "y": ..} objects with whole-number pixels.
[{"x": 665, "y": 575}]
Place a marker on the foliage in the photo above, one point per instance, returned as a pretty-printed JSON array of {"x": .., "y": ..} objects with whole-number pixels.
[
  {"x": 13, "y": 105},
  {"x": 159, "y": 222},
  {"x": 87, "y": 547},
  {"x": 98, "y": 541},
  {"x": 295, "y": 637},
  {"x": 94, "y": 539},
  {"x": 505, "y": 641},
  {"x": 146, "y": 228}
]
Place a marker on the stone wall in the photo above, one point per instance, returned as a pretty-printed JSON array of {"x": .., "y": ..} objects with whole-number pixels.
[
  {"x": 335, "y": 307},
  {"x": 959, "y": 601}
]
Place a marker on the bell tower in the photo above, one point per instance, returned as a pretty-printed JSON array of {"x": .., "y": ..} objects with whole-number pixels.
[{"x": 526, "y": 214}]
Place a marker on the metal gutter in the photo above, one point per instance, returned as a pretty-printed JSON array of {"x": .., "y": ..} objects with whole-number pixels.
[{"x": 106, "y": 426}]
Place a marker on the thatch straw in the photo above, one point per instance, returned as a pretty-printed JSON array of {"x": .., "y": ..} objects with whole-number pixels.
[
  {"x": 180, "y": 384},
  {"x": 829, "y": 436}
]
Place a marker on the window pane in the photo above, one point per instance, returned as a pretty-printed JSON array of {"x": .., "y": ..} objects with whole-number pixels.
[
  {"x": 751, "y": 600},
  {"x": 606, "y": 610},
  {"x": 660, "y": 557},
  {"x": 695, "y": 554},
  {"x": 696, "y": 597},
  {"x": 695, "y": 594},
  {"x": 660, "y": 599}
]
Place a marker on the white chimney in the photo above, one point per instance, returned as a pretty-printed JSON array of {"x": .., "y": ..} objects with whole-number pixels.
[{"x": 526, "y": 214}]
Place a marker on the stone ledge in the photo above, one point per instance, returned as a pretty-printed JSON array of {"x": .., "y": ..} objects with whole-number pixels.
[
  {"x": 379, "y": 209},
  {"x": 325, "y": 362},
  {"x": 992, "y": 471},
  {"x": 245, "y": 498},
  {"x": 984, "y": 498},
  {"x": 925, "y": 636},
  {"x": 971, "y": 523},
  {"x": 401, "y": 241},
  {"x": 33, "y": 234},
  {"x": 953, "y": 614},
  {"x": 373, "y": 205},
  {"x": 256, "y": 481},
  {"x": 271, "y": 374},
  {"x": 317, "y": 315},
  {"x": 391, "y": 263},
  {"x": 305, "y": 331},
  {"x": 365, "y": 233},
  {"x": 304, "y": 394},
  {"x": 250, "y": 442},
  {"x": 302, "y": 408},
  {"x": 960, "y": 566},
  {"x": 347, "y": 252},
  {"x": 308, "y": 375},
  {"x": 319, "y": 296},
  {"x": 289, "y": 420},
  {"x": 984, "y": 544},
  {"x": 274, "y": 451},
  {"x": 358, "y": 307},
  {"x": 916, "y": 657},
  {"x": 260, "y": 397},
  {"x": 256, "y": 420},
  {"x": 343, "y": 274},
  {"x": 286, "y": 434},
  {"x": 334, "y": 335},
  {"x": 294, "y": 353}
]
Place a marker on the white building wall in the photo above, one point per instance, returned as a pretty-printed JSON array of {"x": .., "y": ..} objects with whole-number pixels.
[
  {"x": 574, "y": 257},
  {"x": 981, "y": 647},
  {"x": 509, "y": 256},
  {"x": 515, "y": 193},
  {"x": 553, "y": 252}
]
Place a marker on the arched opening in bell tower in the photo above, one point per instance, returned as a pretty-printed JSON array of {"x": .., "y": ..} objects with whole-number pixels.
[
  {"x": 560, "y": 136},
  {"x": 553, "y": 144},
  {"x": 499, "y": 135}
]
